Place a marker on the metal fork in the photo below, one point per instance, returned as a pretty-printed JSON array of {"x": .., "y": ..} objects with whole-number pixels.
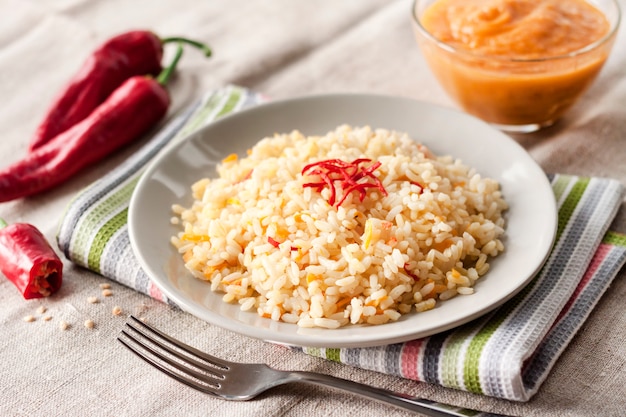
[{"x": 244, "y": 381}]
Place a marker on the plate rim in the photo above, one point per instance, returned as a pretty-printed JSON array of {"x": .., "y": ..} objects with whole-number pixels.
[{"x": 304, "y": 339}]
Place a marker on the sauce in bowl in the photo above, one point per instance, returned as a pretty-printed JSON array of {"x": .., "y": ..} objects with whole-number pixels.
[{"x": 519, "y": 64}]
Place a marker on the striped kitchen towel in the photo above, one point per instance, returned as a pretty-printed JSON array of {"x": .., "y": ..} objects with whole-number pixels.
[{"x": 507, "y": 353}]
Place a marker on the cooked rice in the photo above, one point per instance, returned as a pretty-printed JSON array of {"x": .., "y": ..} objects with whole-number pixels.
[{"x": 272, "y": 245}]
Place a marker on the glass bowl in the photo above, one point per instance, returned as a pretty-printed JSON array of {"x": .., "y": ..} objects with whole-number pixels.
[{"x": 515, "y": 94}]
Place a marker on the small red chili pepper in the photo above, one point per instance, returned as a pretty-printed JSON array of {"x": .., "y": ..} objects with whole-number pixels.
[
  {"x": 28, "y": 260},
  {"x": 138, "y": 52},
  {"x": 132, "y": 109}
]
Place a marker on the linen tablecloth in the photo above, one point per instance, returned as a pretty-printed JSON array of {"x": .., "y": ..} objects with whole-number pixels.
[{"x": 283, "y": 49}]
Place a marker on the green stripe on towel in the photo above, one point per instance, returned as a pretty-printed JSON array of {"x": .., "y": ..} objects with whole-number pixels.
[{"x": 103, "y": 236}]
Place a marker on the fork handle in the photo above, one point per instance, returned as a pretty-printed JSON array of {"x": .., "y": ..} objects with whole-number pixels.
[{"x": 424, "y": 406}]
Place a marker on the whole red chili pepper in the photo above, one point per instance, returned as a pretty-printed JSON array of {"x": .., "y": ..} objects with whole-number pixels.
[
  {"x": 138, "y": 52},
  {"x": 135, "y": 107},
  {"x": 133, "y": 53},
  {"x": 28, "y": 260}
]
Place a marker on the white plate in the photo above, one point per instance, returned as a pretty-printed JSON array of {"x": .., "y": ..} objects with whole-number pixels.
[{"x": 530, "y": 231}]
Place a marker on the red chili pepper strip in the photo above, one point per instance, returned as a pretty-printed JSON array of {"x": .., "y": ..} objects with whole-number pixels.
[
  {"x": 347, "y": 176},
  {"x": 326, "y": 181},
  {"x": 361, "y": 188},
  {"x": 28, "y": 260},
  {"x": 138, "y": 52},
  {"x": 421, "y": 187},
  {"x": 410, "y": 273},
  {"x": 132, "y": 109}
]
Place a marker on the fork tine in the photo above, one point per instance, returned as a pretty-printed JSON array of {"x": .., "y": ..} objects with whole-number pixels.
[
  {"x": 217, "y": 362},
  {"x": 184, "y": 364},
  {"x": 159, "y": 354},
  {"x": 159, "y": 365},
  {"x": 186, "y": 357}
]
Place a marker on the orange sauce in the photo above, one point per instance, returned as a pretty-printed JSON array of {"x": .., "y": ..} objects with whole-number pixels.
[{"x": 513, "y": 61}]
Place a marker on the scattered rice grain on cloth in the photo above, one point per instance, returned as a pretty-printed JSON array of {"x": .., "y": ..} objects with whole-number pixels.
[{"x": 269, "y": 242}]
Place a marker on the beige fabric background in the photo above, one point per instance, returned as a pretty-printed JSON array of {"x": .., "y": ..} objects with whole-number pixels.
[{"x": 283, "y": 48}]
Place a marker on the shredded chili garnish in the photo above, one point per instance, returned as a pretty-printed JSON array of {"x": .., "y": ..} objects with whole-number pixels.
[
  {"x": 411, "y": 273},
  {"x": 345, "y": 176},
  {"x": 273, "y": 242},
  {"x": 419, "y": 185}
]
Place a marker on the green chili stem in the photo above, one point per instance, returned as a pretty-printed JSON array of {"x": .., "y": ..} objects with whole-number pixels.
[
  {"x": 204, "y": 47},
  {"x": 2, "y": 223},
  {"x": 165, "y": 75}
]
